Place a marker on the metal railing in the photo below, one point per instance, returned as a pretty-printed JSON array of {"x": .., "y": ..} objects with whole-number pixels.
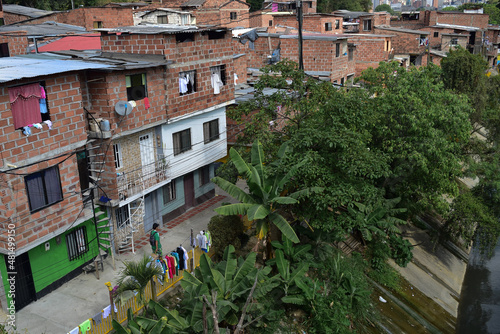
[
  {"x": 104, "y": 325},
  {"x": 133, "y": 181}
]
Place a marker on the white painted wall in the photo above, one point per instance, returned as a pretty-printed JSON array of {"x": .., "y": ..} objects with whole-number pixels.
[{"x": 200, "y": 154}]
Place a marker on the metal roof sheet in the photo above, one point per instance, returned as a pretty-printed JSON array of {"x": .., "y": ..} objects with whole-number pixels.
[
  {"x": 409, "y": 31},
  {"x": 193, "y": 3},
  {"x": 48, "y": 28},
  {"x": 41, "y": 65},
  {"x": 156, "y": 29},
  {"x": 454, "y": 26},
  {"x": 26, "y": 11}
]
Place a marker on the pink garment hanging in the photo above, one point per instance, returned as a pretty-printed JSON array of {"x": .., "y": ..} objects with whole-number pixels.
[
  {"x": 43, "y": 95},
  {"x": 25, "y": 105},
  {"x": 274, "y": 7},
  {"x": 146, "y": 103}
]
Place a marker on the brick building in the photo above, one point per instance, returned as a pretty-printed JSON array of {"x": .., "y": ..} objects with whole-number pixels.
[
  {"x": 21, "y": 38},
  {"x": 407, "y": 43},
  {"x": 162, "y": 155},
  {"x": 47, "y": 230},
  {"x": 91, "y": 17},
  {"x": 320, "y": 23},
  {"x": 16, "y": 13},
  {"x": 370, "y": 50}
]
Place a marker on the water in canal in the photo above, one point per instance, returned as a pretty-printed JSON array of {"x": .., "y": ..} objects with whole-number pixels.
[{"x": 479, "y": 309}]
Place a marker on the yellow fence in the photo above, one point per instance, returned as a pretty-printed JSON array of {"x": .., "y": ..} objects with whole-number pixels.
[{"x": 105, "y": 326}]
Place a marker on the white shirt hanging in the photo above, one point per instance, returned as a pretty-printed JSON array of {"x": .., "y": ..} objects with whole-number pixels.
[{"x": 216, "y": 83}]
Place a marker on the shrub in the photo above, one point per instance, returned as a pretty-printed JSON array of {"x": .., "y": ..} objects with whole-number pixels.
[{"x": 225, "y": 231}]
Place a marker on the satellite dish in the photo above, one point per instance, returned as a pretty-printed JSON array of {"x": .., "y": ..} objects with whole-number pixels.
[{"x": 123, "y": 108}]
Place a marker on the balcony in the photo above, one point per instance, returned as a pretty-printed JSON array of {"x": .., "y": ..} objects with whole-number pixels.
[{"x": 132, "y": 182}]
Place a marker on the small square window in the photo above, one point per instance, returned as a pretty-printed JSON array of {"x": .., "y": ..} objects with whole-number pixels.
[
  {"x": 328, "y": 26},
  {"x": 136, "y": 86},
  {"x": 337, "y": 24},
  {"x": 270, "y": 23},
  {"x": 182, "y": 141},
  {"x": 436, "y": 34},
  {"x": 76, "y": 242},
  {"x": 350, "y": 54},
  {"x": 169, "y": 193},
  {"x": 211, "y": 131},
  {"x": 204, "y": 175},
  {"x": 454, "y": 41},
  {"x": 117, "y": 150},
  {"x": 185, "y": 20},
  {"x": 43, "y": 188},
  {"x": 98, "y": 25},
  {"x": 163, "y": 19},
  {"x": 337, "y": 50},
  {"x": 233, "y": 16},
  {"x": 187, "y": 82}
]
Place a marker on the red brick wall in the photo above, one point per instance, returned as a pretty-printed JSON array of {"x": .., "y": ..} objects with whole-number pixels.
[
  {"x": 111, "y": 17},
  {"x": 456, "y": 18},
  {"x": 65, "y": 107},
  {"x": 17, "y": 44},
  {"x": 403, "y": 42},
  {"x": 240, "y": 68},
  {"x": 370, "y": 51},
  {"x": 10, "y": 18},
  {"x": 381, "y": 19}
]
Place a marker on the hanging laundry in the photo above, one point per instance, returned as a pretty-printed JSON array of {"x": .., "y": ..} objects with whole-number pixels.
[
  {"x": 27, "y": 130},
  {"x": 201, "y": 241},
  {"x": 176, "y": 258},
  {"x": 49, "y": 124},
  {"x": 42, "y": 93},
  {"x": 216, "y": 83},
  {"x": 235, "y": 79},
  {"x": 85, "y": 326},
  {"x": 146, "y": 103},
  {"x": 37, "y": 125},
  {"x": 209, "y": 240},
  {"x": 97, "y": 318},
  {"x": 180, "y": 252},
  {"x": 43, "y": 106},
  {"x": 185, "y": 257},
  {"x": 183, "y": 84},
  {"x": 75, "y": 330}
]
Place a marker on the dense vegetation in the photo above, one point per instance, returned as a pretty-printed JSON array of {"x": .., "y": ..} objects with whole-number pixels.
[{"x": 327, "y": 164}]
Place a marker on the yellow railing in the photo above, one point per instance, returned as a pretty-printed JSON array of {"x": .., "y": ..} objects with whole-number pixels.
[{"x": 105, "y": 325}]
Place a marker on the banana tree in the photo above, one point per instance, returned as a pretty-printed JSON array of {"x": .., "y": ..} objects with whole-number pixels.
[
  {"x": 265, "y": 192},
  {"x": 230, "y": 289}
]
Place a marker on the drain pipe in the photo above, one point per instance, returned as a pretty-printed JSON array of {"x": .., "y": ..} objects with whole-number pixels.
[{"x": 36, "y": 45}]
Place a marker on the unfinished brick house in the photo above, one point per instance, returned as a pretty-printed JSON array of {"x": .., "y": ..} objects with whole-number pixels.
[
  {"x": 16, "y": 13},
  {"x": 160, "y": 156},
  {"x": 407, "y": 43},
  {"x": 48, "y": 230}
]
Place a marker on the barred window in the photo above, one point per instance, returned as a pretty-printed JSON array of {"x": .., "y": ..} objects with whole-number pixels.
[{"x": 76, "y": 242}]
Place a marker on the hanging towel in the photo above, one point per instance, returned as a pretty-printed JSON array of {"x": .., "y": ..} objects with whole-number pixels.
[
  {"x": 43, "y": 106},
  {"x": 85, "y": 326},
  {"x": 97, "y": 318},
  {"x": 216, "y": 83},
  {"x": 146, "y": 103},
  {"x": 186, "y": 257},
  {"x": 106, "y": 312},
  {"x": 75, "y": 330}
]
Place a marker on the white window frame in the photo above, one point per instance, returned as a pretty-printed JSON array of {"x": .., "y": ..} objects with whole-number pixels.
[{"x": 117, "y": 151}]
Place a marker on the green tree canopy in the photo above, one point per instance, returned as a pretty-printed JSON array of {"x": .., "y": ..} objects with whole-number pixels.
[
  {"x": 384, "y": 8},
  {"x": 328, "y": 6}
]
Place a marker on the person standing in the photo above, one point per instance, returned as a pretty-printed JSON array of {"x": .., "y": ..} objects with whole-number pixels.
[{"x": 154, "y": 240}]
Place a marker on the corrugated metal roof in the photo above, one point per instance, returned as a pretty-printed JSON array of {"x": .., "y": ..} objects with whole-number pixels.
[
  {"x": 26, "y": 11},
  {"x": 15, "y": 68},
  {"x": 156, "y": 29},
  {"x": 48, "y": 28},
  {"x": 193, "y": 3},
  {"x": 409, "y": 31},
  {"x": 454, "y": 26}
]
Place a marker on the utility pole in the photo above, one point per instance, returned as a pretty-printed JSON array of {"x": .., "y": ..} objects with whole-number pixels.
[{"x": 299, "y": 18}]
